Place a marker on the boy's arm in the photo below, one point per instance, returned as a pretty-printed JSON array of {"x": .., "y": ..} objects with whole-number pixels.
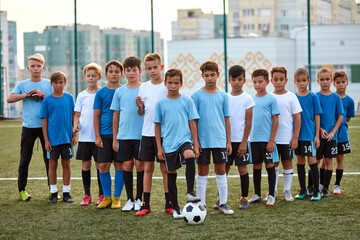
[
  {"x": 16, "y": 97},
  {"x": 76, "y": 127},
  {"x": 331, "y": 134},
  {"x": 161, "y": 153},
  {"x": 297, "y": 125},
  {"x": 348, "y": 119},
  {"x": 116, "y": 118},
  {"x": 248, "y": 122},
  {"x": 98, "y": 140},
  {"x": 228, "y": 136},
  {"x": 141, "y": 105},
  {"x": 193, "y": 130},
  {"x": 74, "y": 138},
  {"x": 270, "y": 147},
  {"x": 44, "y": 122},
  {"x": 317, "y": 131}
]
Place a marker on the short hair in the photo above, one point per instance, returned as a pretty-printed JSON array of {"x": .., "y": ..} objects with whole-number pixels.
[
  {"x": 152, "y": 57},
  {"x": 116, "y": 63},
  {"x": 236, "y": 71},
  {"x": 209, "y": 66},
  {"x": 132, "y": 61},
  {"x": 56, "y": 76},
  {"x": 172, "y": 72},
  {"x": 301, "y": 71},
  {"x": 340, "y": 73},
  {"x": 93, "y": 66},
  {"x": 260, "y": 72},
  {"x": 38, "y": 57},
  {"x": 324, "y": 70},
  {"x": 279, "y": 69}
]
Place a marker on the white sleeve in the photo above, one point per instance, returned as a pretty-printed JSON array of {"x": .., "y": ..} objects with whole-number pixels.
[
  {"x": 250, "y": 102},
  {"x": 295, "y": 104},
  {"x": 78, "y": 103}
]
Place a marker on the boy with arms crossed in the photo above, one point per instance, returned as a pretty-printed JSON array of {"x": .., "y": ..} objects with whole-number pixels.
[
  {"x": 32, "y": 91},
  {"x": 103, "y": 119},
  {"x": 57, "y": 113},
  {"x": 212, "y": 104},
  {"x": 84, "y": 124},
  {"x": 175, "y": 117},
  {"x": 127, "y": 126},
  {"x": 262, "y": 135},
  {"x": 149, "y": 94}
]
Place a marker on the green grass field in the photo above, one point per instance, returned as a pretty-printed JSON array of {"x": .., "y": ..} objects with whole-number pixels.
[{"x": 337, "y": 217}]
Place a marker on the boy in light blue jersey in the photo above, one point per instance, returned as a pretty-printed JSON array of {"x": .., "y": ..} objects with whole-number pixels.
[
  {"x": 262, "y": 136},
  {"x": 174, "y": 119},
  {"x": 127, "y": 125}
]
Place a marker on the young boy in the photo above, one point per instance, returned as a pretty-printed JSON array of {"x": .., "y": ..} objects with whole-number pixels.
[
  {"x": 103, "y": 119},
  {"x": 149, "y": 94},
  {"x": 127, "y": 126},
  {"x": 214, "y": 133},
  {"x": 308, "y": 140},
  {"x": 83, "y": 123},
  {"x": 340, "y": 83},
  {"x": 332, "y": 109},
  {"x": 289, "y": 127},
  {"x": 262, "y": 135},
  {"x": 175, "y": 117},
  {"x": 57, "y": 113},
  {"x": 31, "y": 91}
]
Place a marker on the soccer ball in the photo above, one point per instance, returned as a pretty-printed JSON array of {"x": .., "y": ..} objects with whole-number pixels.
[{"x": 194, "y": 213}]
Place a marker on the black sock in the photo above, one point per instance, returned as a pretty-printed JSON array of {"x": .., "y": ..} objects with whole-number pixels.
[
  {"x": 339, "y": 173},
  {"x": 322, "y": 176},
  {"x": 244, "y": 185},
  {"x": 86, "y": 177},
  {"x": 315, "y": 176},
  {"x": 327, "y": 178},
  {"x": 190, "y": 174},
  {"x": 128, "y": 180},
  {"x": 167, "y": 198},
  {"x": 271, "y": 180},
  {"x": 147, "y": 200},
  {"x": 99, "y": 183},
  {"x": 301, "y": 175},
  {"x": 310, "y": 179},
  {"x": 173, "y": 189},
  {"x": 139, "y": 184},
  {"x": 257, "y": 181}
]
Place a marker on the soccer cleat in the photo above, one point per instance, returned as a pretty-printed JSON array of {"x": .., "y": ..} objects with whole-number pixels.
[
  {"x": 225, "y": 209},
  {"x": 53, "y": 198},
  {"x": 270, "y": 201},
  {"x": 116, "y": 202},
  {"x": 24, "y": 196},
  {"x": 143, "y": 210},
  {"x": 217, "y": 204},
  {"x": 255, "y": 199},
  {"x": 168, "y": 208},
  {"x": 301, "y": 195},
  {"x": 244, "y": 203},
  {"x": 287, "y": 196},
  {"x": 266, "y": 198},
  {"x": 191, "y": 197},
  {"x": 48, "y": 196},
  {"x": 105, "y": 203},
  {"x": 177, "y": 214},
  {"x": 67, "y": 198},
  {"x": 337, "y": 189},
  {"x": 325, "y": 193},
  {"x": 309, "y": 191},
  {"x": 129, "y": 205},
  {"x": 86, "y": 200},
  {"x": 321, "y": 187},
  {"x": 100, "y": 199},
  {"x": 137, "y": 205},
  {"x": 316, "y": 198}
]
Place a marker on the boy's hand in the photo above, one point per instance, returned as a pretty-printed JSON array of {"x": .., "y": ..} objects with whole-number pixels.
[
  {"x": 330, "y": 136},
  {"x": 323, "y": 133},
  {"x": 293, "y": 144},
  {"x": 228, "y": 148},
  {"x": 74, "y": 140},
  {"x": 270, "y": 147},
  {"x": 197, "y": 150},
  {"x": 29, "y": 94},
  {"x": 48, "y": 146},
  {"x": 76, "y": 128},
  {"x": 115, "y": 145},
  {"x": 242, "y": 149},
  {"x": 316, "y": 142},
  {"x": 139, "y": 102},
  {"x": 161, "y": 154},
  {"x": 99, "y": 142}
]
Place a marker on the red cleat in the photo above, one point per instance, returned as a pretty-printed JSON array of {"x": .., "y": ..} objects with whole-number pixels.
[
  {"x": 100, "y": 199},
  {"x": 85, "y": 201}
]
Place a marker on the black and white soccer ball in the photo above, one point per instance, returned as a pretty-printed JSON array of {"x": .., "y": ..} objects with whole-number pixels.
[{"x": 194, "y": 213}]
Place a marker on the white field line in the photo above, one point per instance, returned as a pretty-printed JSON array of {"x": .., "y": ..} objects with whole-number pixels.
[{"x": 156, "y": 178}]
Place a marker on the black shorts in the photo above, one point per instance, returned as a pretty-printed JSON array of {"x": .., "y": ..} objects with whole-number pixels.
[
  {"x": 106, "y": 154},
  {"x": 239, "y": 161},
  {"x": 259, "y": 154},
  {"x": 285, "y": 152},
  {"x": 63, "y": 150},
  {"x": 128, "y": 150},
  {"x": 327, "y": 149},
  {"x": 148, "y": 150},
  {"x": 173, "y": 159},
  {"x": 344, "y": 148},
  {"x": 219, "y": 156},
  {"x": 86, "y": 150},
  {"x": 306, "y": 149}
]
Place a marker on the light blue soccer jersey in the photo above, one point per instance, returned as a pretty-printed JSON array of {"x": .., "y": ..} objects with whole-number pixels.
[
  {"x": 212, "y": 109},
  {"x": 30, "y": 107},
  {"x": 349, "y": 111},
  {"x": 103, "y": 99},
  {"x": 174, "y": 116},
  {"x": 130, "y": 123},
  {"x": 265, "y": 108}
]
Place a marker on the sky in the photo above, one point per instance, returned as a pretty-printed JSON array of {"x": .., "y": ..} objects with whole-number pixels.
[{"x": 35, "y": 15}]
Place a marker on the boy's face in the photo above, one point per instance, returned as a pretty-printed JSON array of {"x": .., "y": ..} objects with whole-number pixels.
[
  {"x": 279, "y": 81},
  {"x": 340, "y": 84},
  {"x": 132, "y": 74},
  {"x": 301, "y": 82},
  {"x": 260, "y": 83},
  {"x": 58, "y": 85},
  {"x": 237, "y": 83},
  {"x": 113, "y": 74},
  {"x": 154, "y": 68},
  {"x": 324, "y": 80},
  {"x": 92, "y": 77},
  {"x": 173, "y": 85},
  {"x": 210, "y": 77},
  {"x": 35, "y": 68}
]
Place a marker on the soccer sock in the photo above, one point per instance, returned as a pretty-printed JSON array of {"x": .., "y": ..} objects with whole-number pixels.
[
  {"x": 139, "y": 184},
  {"x": 99, "y": 182},
  {"x": 53, "y": 188},
  {"x": 201, "y": 183},
  {"x": 119, "y": 183},
  {"x": 66, "y": 188},
  {"x": 257, "y": 181},
  {"x": 322, "y": 176},
  {"x": 328, "y": 174},
  {"x": 310, "y": 179},
  {"x": 339, "y": 173},
  {"x": 86, "y": 177},
  {"x": 244, "y": 185},
  {"x": 315, "y": 175},
  {"x": 167, "y": 199},
  {"x": 221, "y": 181},
  {"x": 301, "y": 175},
  {"x": 190, "y": 174},
  {"x": 288, "y": 176},
  {"x": 105, "y": 179},
  {"x": 147, "y": 200},
  {"x": 276, "y": 178},
  {"x": 128, "y": 180},
  {"x": 173, "y": 189},
  {"x": 271, "y": 180}
]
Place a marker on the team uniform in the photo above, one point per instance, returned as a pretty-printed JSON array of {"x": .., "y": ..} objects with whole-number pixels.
[{"x": 343, "y": 135}]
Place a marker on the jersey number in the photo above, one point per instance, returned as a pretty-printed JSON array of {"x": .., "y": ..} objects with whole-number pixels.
[{"x": 308, "y": 149}]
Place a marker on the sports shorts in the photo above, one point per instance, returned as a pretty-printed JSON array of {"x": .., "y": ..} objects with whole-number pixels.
[
  {"x": 148, "y": 150},
  {"x": 175, "y": 159},
  {"x": 239, "y": 161},
  {"x": 306, "y": 149},
  {"x": 63, "y": 150},
  {"x": 106, "y": 154},
  {"x": 327, "y": 149},
  {"x": 285, "y": 151},
  {"x": 128, "y": 150},
  {"x": 344, "y": 148},
  {"x": 86, "y": 150},
  {"x": 259, "y": 154},
  {"x": 219, "y": 156}
]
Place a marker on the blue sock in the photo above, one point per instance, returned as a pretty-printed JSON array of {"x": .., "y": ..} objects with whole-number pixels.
[
  {"x": 119, "y": 183},
  {"x": 105, "y": 179}
]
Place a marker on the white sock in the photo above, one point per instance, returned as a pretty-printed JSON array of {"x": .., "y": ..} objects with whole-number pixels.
[
  {"x": 288, "y": 176},
  {"x": 201, "y": 183},
  {"x": 221, "y": 181},
  {"x": 53, "y": 188},
  {"x": 66, "y": 188},
  {"x": 277, "y": 177}
]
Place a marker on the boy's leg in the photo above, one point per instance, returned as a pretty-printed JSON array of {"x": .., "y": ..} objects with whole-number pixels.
[
  {"x": 327, "y": 175},
  {"x": 190, "y": 170},
  {"x": 276, "y": 165},
  {"x": 301, "y": 176},
  {"x": 257, "y": 179},
  {"x": 128, "y": 178},
  {"x": 339, "y": 173},
  {"x": 139, "y": 179},
  {"x": 53, "y": 180},
  {"x": 315, "y": 174},
  {"x": 66, "y": 180},
  {"x": 118, "y": 184},
  {"x": 201, "y": 182},
  {"x": 86, "y": 176},
  {"x": 105, "y": 178},
  {"x": 40, "y": 135},
  {"x": 148, "y": 172},
  {"x": 244, "y": 180},
  {"x": 163, "y": 170},
  {"x": 270, "y": 168},
  {"x": 288, "y": 173}
]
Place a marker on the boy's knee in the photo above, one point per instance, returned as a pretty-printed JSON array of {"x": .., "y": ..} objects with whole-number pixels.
[
  {"x": 189, "y": 154},
  {"x": 203, "y": 170},
  {"x": 219, "y": 169},
  {"x": 257, "y": 166}
]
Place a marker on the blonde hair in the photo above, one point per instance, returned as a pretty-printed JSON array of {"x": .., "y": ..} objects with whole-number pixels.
[
  {"x": 324, "y": 70},
  {"x": 152, "y": 57},
  {"x": 38, "y": 57},
  {"x": 301, "y": 71},
  {"x": 93, "y": 66}
]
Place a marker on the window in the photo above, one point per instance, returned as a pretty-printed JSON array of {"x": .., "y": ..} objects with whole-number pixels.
[
  {"x": 284, "y": 13},
  {"x": 264, "y": 12},
  {"x": 248, "y": 12},
  {"x": 10, "y": 38},
  {"x": 284, "y": 27},
  {"x": 11, "y": 50},
  {"x": 236, "y": 15}
]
